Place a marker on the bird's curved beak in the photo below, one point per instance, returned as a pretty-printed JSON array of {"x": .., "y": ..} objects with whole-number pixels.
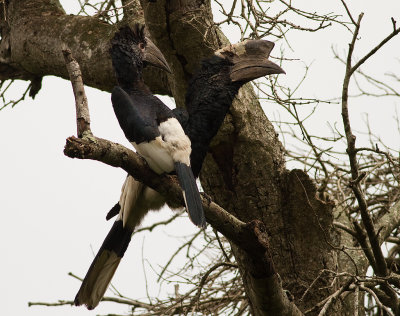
[
  {"x": 154, "y": 57},
  {"x": 252, "y": 68},
  {"x": 251, "y": 60}
]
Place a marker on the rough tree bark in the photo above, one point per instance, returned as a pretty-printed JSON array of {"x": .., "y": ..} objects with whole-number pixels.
[{"x": 244, "y": 171}]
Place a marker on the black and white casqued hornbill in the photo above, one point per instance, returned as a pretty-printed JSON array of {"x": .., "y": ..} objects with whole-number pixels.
[
  {"x": 147, "y": 122},
  {"x": 210, "y": 94},
  {"x": 158, "y": 137}
]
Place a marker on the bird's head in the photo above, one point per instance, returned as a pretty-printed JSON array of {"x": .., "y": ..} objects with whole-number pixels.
[
  {"x": 248, "y": 60},
  {"x": 132, "y": 46},
  {"x": 222, "y": 74}
]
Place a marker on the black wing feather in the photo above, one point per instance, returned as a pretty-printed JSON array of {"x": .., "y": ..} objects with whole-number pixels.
[{"x": 132, "y": 122}]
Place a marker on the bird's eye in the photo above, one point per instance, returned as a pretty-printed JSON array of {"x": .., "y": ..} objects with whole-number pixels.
[{"x": 142, "y": 46}]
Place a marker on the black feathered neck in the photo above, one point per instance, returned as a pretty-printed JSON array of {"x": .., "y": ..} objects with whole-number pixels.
[
  {"x": 209, "y": 96},
  {"x": 127, "y": 56}
]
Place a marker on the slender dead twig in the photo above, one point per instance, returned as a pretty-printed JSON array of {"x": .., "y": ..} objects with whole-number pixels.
[
  {"x": 154, "y": 225},
  {"x": 221, "y": 246},
  {"x": 378, "y": 302},
  {"x": 206, "y": 275},
  {"x": 348, "y": 12},
  {"x": 124, "y": 301},
  {"x": 376, "y": 48},
  {"x": 326, "y": 303}
]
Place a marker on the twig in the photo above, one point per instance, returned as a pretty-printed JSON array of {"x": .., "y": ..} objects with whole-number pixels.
[
  {"x": 329, "y": 300},
  {"x": 3, "y": 94},
  {"x": 221, "y": 246},
  {"x": 75, "y": 276},
  {"x": 105, "y": 299},
  {"x": 313, "y": 283},
  {"x": 376, "y": 48},
  {"x": 154, "y": 225},
  {"x": 206, "y": 275},
  {"x": 348, "y": 12},
  {"x": 378, "y": 302},
  {"x": 356, "y": 299},
  {"x": 186, "y": 244},
  {"x": 59, "y": 303}
]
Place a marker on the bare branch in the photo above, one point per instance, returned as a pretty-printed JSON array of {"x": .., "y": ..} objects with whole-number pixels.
[
  {"x": 352, "y": 153},
  {"x": 378, "y": 302},
  {"x": 206, "y": 275},
  {"x": 4, "y": 86},
  {"x": 376, "y": 48},
  {"x": 349, "y": 13},
  {"x": 154, "y": 225}
]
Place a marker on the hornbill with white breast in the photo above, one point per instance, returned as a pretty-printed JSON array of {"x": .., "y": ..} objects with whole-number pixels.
[
  {"x": 158, "y": 137},
  {"x": 209, "y": 96}
]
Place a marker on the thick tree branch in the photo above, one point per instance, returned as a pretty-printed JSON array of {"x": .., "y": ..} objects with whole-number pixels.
[
  {"x": 31, "y": 50},
  {"x": 119, "y": 156},
  {"x": 362, "y": 240},
  {"x": 81, "y": 103},
  {"x": 377, "y": 261}
]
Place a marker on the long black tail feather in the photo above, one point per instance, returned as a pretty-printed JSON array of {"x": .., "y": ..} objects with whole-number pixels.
[
  {"x": 103, "y": 267},
  {"x": 191, "y": 194}
]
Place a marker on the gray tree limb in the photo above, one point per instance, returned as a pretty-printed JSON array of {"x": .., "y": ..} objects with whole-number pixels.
[{"x": 29, "y": 49}]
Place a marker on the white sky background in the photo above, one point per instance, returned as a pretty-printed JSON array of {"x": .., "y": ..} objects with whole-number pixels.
[{"x": 53, "y": 207}]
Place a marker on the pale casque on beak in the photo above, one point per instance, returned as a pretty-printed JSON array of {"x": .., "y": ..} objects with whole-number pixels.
[{"x": 250, "y": 60}]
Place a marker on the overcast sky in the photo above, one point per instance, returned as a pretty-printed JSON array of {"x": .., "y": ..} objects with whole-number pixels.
[{"x": 53, "y": 207}]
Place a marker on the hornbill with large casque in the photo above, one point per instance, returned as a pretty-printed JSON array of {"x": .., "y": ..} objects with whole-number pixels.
[
  {"x": 158, "y": 137},
  {"x": 210, "y": 94},
  {"x": 213, "y": 88}
]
